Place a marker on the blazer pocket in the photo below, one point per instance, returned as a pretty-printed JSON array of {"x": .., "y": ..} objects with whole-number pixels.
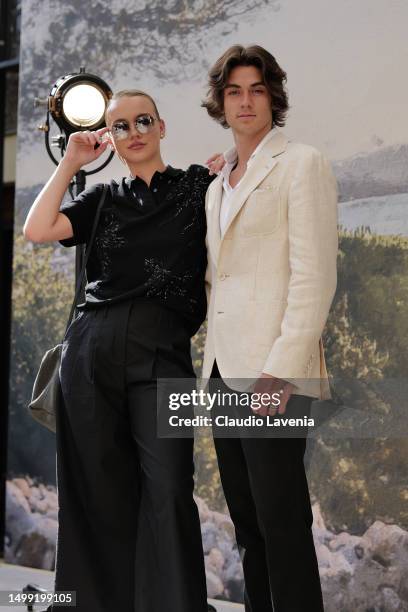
[{"x": 262, "y": 212}]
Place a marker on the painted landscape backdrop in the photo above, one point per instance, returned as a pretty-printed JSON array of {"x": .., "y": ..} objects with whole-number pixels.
[{"x": 358, "y": 485}]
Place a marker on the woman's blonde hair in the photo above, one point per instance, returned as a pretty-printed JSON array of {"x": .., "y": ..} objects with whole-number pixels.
[{"x": 130, "y": 93}]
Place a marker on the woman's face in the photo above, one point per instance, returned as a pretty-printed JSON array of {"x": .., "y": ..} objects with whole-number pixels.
[{"x": 135, "y": 147}]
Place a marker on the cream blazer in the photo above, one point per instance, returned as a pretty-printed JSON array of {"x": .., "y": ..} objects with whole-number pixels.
[{"x": 271, "y": 278}]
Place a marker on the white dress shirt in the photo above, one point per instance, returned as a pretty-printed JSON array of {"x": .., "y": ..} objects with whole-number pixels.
[{"x": 228, "y": 191}]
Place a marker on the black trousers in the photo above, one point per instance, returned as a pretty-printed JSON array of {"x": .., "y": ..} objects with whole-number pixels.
[
  {"x": 267, "y": 494},
  {"x": 129, "y": 534}
]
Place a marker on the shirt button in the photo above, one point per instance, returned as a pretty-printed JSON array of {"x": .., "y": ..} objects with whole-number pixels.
[
  {"x": 222, "y": 276},
  {"x": 155, "y": 189}
]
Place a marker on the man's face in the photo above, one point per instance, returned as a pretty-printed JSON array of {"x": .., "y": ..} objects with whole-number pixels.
[
  {"x": 130, "y": 144},
  {"x": 247, "y": 102}
]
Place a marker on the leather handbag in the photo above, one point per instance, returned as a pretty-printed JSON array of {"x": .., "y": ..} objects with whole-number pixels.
[{"x": 46, "y": 397}]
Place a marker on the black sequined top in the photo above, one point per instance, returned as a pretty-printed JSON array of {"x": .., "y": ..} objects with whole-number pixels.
[{"x": 150, "y": 241}]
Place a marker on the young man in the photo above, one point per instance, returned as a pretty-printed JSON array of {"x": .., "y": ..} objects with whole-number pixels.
[{"x": 272, "y": 246}]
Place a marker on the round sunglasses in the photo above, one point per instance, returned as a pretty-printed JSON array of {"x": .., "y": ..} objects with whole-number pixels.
[{"x": 143, "y": 124}]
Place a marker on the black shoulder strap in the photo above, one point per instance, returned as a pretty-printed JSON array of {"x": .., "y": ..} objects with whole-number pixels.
[{"x": 88, "y": 250}]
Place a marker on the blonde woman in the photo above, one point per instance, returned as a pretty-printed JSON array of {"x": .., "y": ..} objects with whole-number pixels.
[{"x": 129, "y": 533}]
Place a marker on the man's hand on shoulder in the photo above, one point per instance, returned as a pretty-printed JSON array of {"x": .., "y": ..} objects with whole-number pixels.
[{"x": 215, "y": 163}]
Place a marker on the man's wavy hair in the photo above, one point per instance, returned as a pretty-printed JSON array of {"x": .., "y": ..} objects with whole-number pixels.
[{"x": 272, "y": 74}]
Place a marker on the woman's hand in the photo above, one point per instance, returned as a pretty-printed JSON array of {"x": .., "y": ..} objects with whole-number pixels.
[
  {"x": 81, "y": 147},
  {"x": 215, "y": 163}
]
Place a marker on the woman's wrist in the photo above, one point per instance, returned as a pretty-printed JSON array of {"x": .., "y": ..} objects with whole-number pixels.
[{"x": 68, "y": 166}]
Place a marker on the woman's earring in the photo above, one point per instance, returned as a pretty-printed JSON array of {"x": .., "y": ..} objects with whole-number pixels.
[{"x": 162, "y": 135}]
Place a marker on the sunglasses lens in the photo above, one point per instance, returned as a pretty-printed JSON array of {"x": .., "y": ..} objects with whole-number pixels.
[
  {"x": 144, "y": 123},
  {"x": 120, "y": 131},
  {"x": 121, "y": 134}
]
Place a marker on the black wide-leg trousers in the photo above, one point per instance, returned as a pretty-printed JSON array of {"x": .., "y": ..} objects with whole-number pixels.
[
  {"x": 129, "y": 534},
  {"x": 266, "y": 490}
]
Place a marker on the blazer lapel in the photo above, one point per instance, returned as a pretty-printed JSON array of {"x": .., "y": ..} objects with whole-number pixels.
[
  {"x": 253, "y": 176},
  {"x": 213, "y": 218},
  {"x": 260, "y": 167}
]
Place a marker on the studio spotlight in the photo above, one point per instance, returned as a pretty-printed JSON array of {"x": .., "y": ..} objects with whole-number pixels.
[{"x": 76, "y": 101}]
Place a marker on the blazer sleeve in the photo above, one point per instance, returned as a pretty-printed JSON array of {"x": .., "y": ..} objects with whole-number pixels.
[{"x": 313, "y": 245}]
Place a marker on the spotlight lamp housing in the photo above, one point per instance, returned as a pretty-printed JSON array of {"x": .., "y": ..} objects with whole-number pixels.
[{"x": 78, "y": 101}]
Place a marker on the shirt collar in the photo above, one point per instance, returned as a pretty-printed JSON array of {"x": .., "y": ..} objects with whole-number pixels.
[
  {"x": 169, "y": 171},
  {"x": 231, "y": 154}
]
